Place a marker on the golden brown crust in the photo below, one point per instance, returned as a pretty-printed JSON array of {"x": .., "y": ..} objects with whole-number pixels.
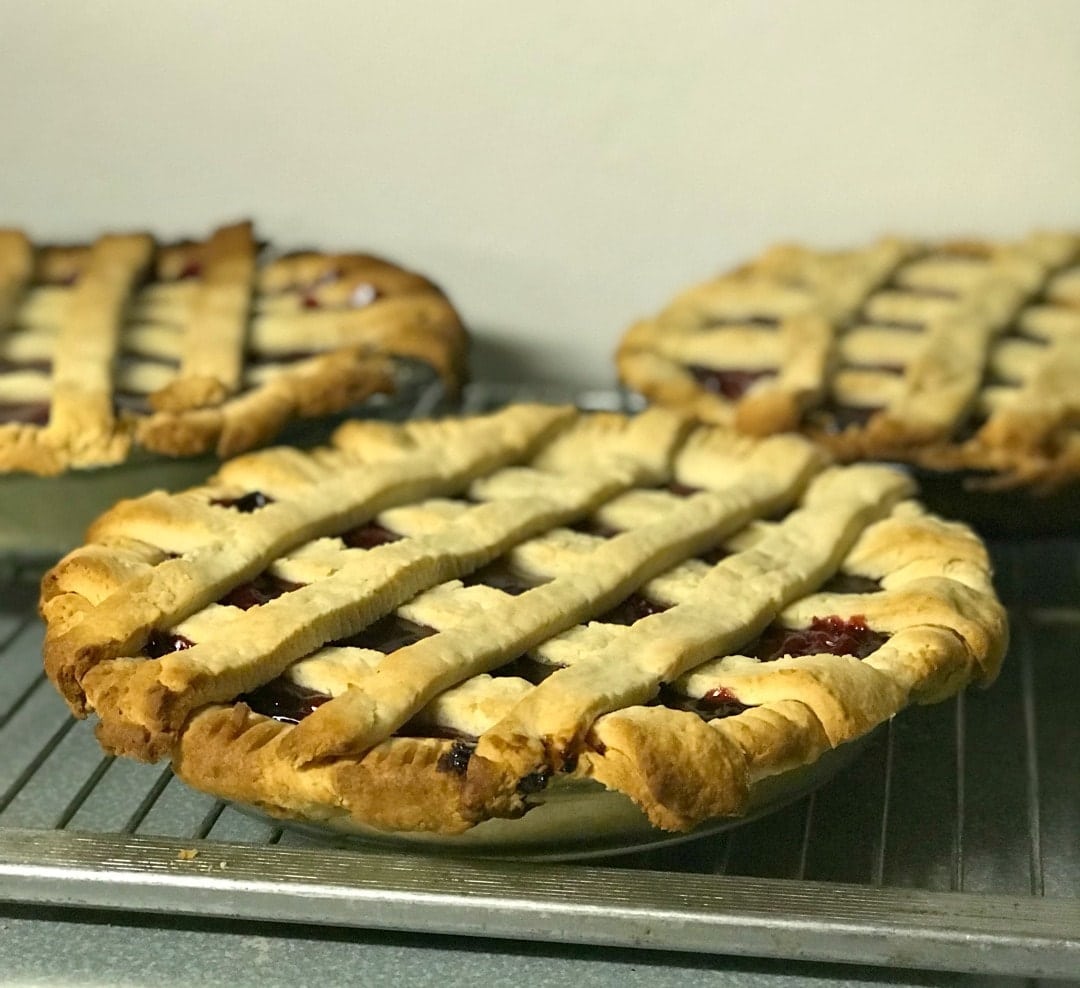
[
  {"x": 212, "y": 353},
  {"x": 145, "y": 629},
  {"x": 914, "y": 341}
]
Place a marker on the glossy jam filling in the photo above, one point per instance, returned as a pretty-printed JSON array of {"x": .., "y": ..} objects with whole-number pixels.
[
  {"x": 633, "y": 608},
  {"x": 264, "y": 588},
  {"x": 387, "y": 635},
  {"x": 165, "y": 643},
  {"x": 284, "y": 700},
  {"x": 831, "y": 634},
  {"x": 456, "y": 760},
  {"x": 731, "y": 384},
  {"x": 369, "y": 536},
  {"x": 246, "y": 503}
]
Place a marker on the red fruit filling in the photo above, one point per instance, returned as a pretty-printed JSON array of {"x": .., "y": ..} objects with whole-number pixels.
[
  {"x": 826, "y": 634},
  {"x": 731, "y": 384},
  {"x": 193, "y": 269},
  {"x": 368, "y": 536},
  {"x": 284, "y": 700},
  {"x": 265, "y": 587}
]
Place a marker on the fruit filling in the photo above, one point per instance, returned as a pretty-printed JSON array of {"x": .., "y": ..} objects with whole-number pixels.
[
  {"x": 165, "y": 643},
  {"x": 30, "y": 412},
  {"x": 832, "y": 634},
  {"x": 633, "y": 608},
  {"x": 369, "y": 536},
  {"x": 265, "y": 587},
  {"x": 387, "y": 635},
  {"x": 283, "y": 700},
  {"x": 501, "y": 576},
  {"x": 246, "y": 503},
  {"x": 730, "y": 384}
]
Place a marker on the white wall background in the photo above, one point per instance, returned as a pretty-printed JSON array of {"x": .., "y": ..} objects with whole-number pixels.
[{"x": 562, "y": 167}]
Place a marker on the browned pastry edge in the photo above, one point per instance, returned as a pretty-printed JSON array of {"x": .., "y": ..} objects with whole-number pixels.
[{"x": 946, "y": 629}]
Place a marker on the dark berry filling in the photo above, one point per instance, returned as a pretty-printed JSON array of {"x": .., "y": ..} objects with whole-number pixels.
[
  {"x": 456, "y": 760},
  {"x": 387, "y": 635},
  {"x": 284, "y": 700},
  {"x": 594, "y": 528},
  {"x": 246, "y": 503},
  {"x": 30, "y": 412},
  {"x": 731, "y": 384},
  {"x": 533, "y": 783},
  {"x": 850, "y": 583},
  {"x": 633, "y": 608},
  {"x": 193, "y": 269},
  {"x": 265, "y": 587},
  {"x": 501, "y": 576},
  {"x": 826, "y": 634},
  {"x": 369, "y": 536},
  {"x": 165, "y": 643},
  {"x": 682, "y": 490}
]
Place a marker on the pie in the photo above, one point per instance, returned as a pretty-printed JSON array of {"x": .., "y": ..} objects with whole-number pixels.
[
  {"x": 954, "y": 356},
  {"x": 422, "y": 626},
  {"x": 179, "y": 349}
]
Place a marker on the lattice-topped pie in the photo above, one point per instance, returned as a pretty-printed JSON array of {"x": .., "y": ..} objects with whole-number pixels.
[
  {"x": 192, "y": 347},
  {"x": 423, "y": 626},
  {"x": 961, "y": 355}
]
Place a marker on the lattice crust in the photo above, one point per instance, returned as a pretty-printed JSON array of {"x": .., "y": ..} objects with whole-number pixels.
[
  {"x": 424, "y": 625},
  {"x": 952, "y": 356},
  {"x": 186, "y": 348}
]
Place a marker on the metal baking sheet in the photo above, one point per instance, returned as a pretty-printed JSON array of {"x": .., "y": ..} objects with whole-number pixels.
[{"x": 950, "y": 843}]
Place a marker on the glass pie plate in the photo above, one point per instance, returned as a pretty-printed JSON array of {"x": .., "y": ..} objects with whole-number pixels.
[
  {"x": 41, "y": 518},
  {"x": 574, "y": 819}
]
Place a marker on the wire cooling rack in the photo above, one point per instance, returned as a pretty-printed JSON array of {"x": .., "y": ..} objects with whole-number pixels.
[{"x": 950, "y": 843}]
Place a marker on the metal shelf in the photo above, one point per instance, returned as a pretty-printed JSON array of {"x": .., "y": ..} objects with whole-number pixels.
[{"x": 951, "y": 843}]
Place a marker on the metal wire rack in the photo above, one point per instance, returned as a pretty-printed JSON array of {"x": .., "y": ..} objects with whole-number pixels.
[{"x": 950, "y": 843}]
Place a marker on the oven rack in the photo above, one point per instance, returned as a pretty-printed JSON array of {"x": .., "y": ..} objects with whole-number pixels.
[{"x": 951, "y": 843}]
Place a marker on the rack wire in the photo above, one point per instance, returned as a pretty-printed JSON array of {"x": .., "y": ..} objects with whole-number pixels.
[{"x": 950, "y": 843}]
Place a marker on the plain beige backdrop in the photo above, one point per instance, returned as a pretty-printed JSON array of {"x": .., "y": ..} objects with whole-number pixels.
[{"x": 560, "y": 168}]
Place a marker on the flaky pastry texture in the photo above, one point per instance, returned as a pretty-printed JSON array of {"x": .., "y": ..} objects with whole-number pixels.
[
  {"x": 424, "y": 625},
  {"x": 126, "y": 345},
  {"x": 955, "y": 356}
]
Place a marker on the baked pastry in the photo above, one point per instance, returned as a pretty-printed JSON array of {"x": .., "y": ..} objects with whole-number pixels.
[
  {"x": 181, "y": 349},
  {"x": 423, "y": 626},
  {"x": 953, "y": 356}
]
